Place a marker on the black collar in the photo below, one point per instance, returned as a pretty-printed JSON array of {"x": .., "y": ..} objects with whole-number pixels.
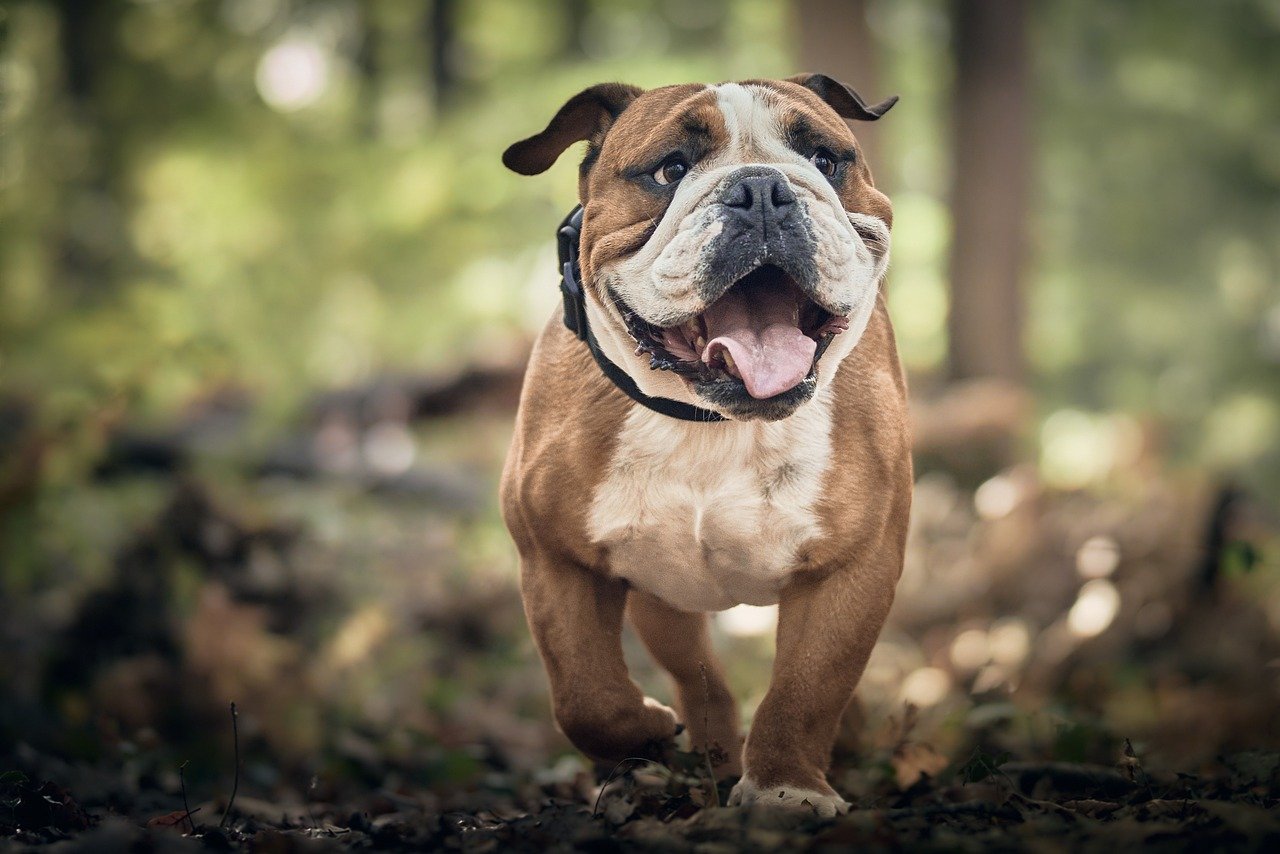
[{"x": 575, "y": 317}]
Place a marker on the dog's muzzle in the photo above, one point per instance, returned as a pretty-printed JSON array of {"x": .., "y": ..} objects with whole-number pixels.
[
  {"x": 753, "y": 348},
  {"x": 762, "y": 223}
]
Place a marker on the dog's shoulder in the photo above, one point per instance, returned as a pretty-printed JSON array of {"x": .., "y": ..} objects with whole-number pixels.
[{"x": 565, "y": 433}]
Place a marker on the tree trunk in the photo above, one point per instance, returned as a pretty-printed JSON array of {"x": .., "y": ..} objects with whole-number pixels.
[
  {"x": 990, "y": 179},
  {"x": 576, "y": 13},
  {"x": 834, "y": 40},
  {"x": 367, "y": 63},
  {"x": 442, "y": 37}
]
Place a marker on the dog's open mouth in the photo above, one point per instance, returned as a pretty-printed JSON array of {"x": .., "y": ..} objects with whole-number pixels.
[{"x": 764, "y": 332}]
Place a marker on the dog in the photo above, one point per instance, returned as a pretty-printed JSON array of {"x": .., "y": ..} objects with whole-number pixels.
[{"x": 719, "y": 418}]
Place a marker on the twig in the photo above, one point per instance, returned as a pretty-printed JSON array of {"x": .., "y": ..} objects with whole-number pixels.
[
  {"x": 235, "y": 785},
  {"x": 188, "y": 815},
  {"x": 182, "y": 781},
  {"x": 595, "y": 810},
  {"x": 1132, "y": 767},
  {"x": 310, "y": 793},
  {"x": 991, "y": 766},
  {"x": 706, "y": 732}
]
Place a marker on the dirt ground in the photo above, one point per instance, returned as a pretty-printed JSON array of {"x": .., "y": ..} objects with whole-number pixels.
[
  {"x": 986, "y": 804},
  {"x": 1062, "y": 670}
]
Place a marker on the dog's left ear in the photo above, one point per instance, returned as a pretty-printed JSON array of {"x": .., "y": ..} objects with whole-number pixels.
[
  {"x": 587, "y": 115},
  {"x": 843, "y": 99}
]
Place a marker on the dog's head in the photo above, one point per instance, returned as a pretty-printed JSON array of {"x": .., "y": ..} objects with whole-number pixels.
[{"x": 731, "y": 234}]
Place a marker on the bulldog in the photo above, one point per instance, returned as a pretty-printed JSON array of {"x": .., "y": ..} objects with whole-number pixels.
[{"x": 720, "y": 419}]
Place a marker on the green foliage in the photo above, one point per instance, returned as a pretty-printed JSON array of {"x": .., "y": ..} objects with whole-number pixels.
[
  {"x": 1240, "y": 558},
  {"x": 1159, "y": 190},
  {"x": 167, "y": 232},
  {"x": 1153, "y": 263},
  {"x": 280, "y": 196}
]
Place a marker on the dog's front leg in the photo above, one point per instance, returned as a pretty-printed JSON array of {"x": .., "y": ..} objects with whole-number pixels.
[
  {"x": 575, "y": 616},
  {"x": 826, "y": 629}
]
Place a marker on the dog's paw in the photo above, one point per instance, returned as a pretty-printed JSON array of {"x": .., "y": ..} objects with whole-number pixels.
[
  {"x": 650, "y": 703},
  {"x": 610, "y": 734},
  {"x": 664, "y": 720},
  {"x": 749, "y": 795},
  {"x": 665, "y": 714}
]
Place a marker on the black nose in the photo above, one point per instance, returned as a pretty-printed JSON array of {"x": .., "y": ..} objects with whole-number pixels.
[
  {"x": 761, "y": 193},
  {"x": 761, "y": 200}
]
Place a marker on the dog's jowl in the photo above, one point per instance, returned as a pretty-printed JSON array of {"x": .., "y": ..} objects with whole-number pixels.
[{"x": 719, "y": 419}]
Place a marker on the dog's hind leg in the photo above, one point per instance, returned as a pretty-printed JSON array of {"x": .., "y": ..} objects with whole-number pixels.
[{"x": 680, "y": 642}]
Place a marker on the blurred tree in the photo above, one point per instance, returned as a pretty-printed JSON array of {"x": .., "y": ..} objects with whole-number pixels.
[
  {"x": 366, "y": 62},
  {"x": 991, "y": 168},
  {"x": 576, "y": 13},
  {"x": 442, "y": 36},
  {"x": 180, "y": 181}
]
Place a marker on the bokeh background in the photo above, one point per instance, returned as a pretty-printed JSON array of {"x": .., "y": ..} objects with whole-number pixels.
[{"x": 266, "y": 293}]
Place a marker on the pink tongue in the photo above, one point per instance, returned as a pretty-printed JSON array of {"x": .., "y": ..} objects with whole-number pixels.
[{"x": 757, "y": 324}]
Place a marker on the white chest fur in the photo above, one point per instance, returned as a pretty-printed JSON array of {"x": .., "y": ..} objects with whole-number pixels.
[{"x": 708, "y": 516}]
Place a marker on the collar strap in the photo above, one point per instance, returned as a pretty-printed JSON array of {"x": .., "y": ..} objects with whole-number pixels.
[{"x": 575, "y": 318}]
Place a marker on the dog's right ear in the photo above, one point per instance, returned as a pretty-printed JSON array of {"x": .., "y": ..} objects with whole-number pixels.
[{"x": 587, "y": 115}]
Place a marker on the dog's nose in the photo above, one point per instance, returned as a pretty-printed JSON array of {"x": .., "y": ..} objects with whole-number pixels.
[
  {"x": 760, "y": 205},
  {"x": 763, "y": 194}
]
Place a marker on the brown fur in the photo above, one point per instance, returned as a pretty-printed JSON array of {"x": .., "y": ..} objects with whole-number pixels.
[{"x": 566, "y": 431}]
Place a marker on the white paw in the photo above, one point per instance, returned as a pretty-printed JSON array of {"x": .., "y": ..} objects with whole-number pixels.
[
  {"x": 654, "y": 704},
  {"x": 790, "y": 798}
]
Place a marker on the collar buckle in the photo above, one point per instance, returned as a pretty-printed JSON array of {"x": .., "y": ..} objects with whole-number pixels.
[{"x": 575, "y": 302}]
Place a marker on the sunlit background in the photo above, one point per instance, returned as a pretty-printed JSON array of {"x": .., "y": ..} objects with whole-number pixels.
[{"x": 266, "y": 293}]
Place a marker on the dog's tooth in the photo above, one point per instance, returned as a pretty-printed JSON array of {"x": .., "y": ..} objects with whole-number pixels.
[
  {"x": 728, "y": 360},
  {"x": 699, "y": 343}
]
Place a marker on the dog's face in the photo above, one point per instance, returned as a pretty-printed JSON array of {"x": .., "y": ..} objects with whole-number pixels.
[{"x": 731, "y": 234}]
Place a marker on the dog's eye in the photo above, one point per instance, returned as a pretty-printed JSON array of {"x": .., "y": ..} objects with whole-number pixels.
[
  {"x": 671, "y": 171},
  {"x": 825, "y": 161}
]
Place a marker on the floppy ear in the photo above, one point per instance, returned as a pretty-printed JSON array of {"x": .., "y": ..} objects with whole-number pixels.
[
  {"x": 587, "y": 115},
  {"x": 843, "y": 100}
]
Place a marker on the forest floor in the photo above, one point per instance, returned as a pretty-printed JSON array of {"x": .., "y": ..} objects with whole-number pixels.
[
  {"x": 984, "y": 804},
  {"x": 1063, "y": 669}
]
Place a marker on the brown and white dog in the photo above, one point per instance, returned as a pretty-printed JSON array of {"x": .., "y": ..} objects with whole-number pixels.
[{"x": 731, "y": 234}]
